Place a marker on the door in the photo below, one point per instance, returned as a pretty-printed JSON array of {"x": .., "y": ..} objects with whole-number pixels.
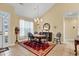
[
  {"x": 1, "y": 32},
  {"x": 70, "y": 30},
  {"x": 1, "y": 41},
  {"x": 4, "y": 29}
]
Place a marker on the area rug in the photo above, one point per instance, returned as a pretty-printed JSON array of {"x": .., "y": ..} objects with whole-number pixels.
[{"x": 38, "y": 49}]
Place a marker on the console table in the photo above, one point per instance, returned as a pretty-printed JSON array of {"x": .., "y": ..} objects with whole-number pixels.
[{"x": 76, "y": 42}]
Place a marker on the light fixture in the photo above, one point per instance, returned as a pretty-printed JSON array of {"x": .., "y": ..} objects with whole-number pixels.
[
  {"x": 21, "y": 4},
  {"x": 37, "y": 19}
]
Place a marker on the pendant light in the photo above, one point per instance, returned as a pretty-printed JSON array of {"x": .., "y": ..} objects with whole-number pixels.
[{"x": 37, "y": 19}]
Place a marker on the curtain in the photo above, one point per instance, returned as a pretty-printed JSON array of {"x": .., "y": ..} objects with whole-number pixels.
[{"x": 25, "y": 27}]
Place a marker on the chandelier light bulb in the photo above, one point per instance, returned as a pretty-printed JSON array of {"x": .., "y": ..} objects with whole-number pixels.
[
  {"x": 41, "y": 20},
  {"x": 35, "y": 20}
]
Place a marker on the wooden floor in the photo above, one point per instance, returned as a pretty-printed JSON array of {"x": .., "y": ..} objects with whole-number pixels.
[{"x": 59, "y": 50}]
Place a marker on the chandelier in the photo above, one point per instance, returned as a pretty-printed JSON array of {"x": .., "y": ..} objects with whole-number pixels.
[{"x": 37, "y": 19}]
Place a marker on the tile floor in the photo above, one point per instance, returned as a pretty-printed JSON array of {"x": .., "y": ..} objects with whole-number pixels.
[{"x": 64, "y": 49}]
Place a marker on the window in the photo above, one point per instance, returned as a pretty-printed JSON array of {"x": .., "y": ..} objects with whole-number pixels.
[
  {"x": 25, "y": 27},
  {"x": 4, "y": 29}
]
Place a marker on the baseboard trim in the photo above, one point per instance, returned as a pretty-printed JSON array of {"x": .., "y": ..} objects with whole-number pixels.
[{"x": 11, "y": 44}]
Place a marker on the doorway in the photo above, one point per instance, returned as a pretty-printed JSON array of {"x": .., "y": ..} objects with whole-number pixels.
[
  {"x": 4, "y": 29},
  {"x": 70, "y": 28}
]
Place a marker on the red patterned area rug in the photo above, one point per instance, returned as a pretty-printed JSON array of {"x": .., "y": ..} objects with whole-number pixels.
[{"x": 37, "y": 48}]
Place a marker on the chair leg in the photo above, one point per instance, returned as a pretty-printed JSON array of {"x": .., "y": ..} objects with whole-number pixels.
[
  {"x": 56, "y": 41},
  {"x": 60, "y": 41}
]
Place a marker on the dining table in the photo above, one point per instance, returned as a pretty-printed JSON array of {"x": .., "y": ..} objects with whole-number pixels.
[{"x": 40, "y": 37}]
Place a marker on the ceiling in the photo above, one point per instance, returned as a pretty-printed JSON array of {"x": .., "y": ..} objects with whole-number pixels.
[{"x": 31, "y": 10}]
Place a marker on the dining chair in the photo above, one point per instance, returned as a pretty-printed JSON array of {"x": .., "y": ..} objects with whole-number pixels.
[
  {"x": 30, "y": 36},
  {"x": 35, "y": 32},
  {"x": 58, "y": 38},
  {"x": 46, "y": 38}
]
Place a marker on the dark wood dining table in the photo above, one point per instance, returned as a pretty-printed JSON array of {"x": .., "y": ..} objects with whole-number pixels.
[{"x": 38, "y": 36}]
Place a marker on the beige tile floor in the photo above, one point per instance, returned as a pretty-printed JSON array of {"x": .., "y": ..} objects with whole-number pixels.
[{"x": 66, "y": 49}]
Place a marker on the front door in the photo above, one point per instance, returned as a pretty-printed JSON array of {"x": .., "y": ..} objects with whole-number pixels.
[{"x": 1, "y": 32}]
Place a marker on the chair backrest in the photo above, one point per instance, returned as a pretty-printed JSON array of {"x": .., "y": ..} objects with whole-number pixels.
[
  {"x": 30, "y": 35},
  {"x": 44, "y": 33},
  {"x": 58, "y": 34},
  {"x": 35, "y": 32}
]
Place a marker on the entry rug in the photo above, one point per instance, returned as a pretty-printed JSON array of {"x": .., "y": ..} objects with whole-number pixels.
[
  {"x": 36, "y": 49},
  {"x": 3, "y": 49}
]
